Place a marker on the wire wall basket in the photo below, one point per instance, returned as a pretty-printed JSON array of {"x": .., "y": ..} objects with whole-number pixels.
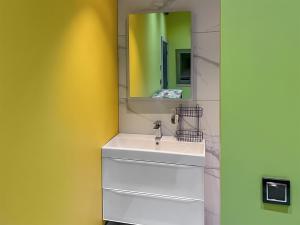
[
  {"x": 193, "y": 134},
  {"x": 189, "y": 135},
  {"x": 196, "y": 111}
]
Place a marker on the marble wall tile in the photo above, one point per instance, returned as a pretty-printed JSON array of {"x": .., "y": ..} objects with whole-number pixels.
[
  {"x": 205, "y": 18},
  {"x": 206, "y": 79},
  {"x": 210, "y": 121},
  {"x": 206, "y": 65},
  {"x": 138, "y": 115},
  {"x": 207, "y": 46},
  {"x": 131, "y": 121}
]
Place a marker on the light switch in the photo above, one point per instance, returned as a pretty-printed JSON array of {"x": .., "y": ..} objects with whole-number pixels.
[{"x": 276, "y": 191}]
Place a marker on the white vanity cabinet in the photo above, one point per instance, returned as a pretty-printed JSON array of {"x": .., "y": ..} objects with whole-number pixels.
[{"x": 151, "y": 186}]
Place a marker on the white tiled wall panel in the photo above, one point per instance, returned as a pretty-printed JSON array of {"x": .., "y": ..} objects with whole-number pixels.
[{"x": 137, "y": 116}]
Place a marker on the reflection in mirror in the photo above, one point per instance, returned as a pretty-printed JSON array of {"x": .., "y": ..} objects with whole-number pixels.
[{"x": 160, "y": 55}]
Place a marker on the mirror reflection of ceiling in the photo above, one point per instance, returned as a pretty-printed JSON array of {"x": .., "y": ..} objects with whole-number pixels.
[{"x": 160, "y": 55}]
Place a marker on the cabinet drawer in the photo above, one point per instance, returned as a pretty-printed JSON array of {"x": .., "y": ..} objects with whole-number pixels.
[
  {"x": 153, "y": 177},
  {"x": 151, "y": 209}
]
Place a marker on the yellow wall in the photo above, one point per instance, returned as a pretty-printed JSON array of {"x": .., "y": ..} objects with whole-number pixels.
[{"x": 58, "y": 105}]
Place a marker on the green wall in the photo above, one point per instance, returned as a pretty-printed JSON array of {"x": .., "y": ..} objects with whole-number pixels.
[
  {"x": 145, "y": 32},
  {"x": 179, "y": 28},
  {"x": 260, "y": 108}
]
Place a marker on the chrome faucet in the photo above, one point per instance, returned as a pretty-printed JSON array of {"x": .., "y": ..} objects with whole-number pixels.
[{"x": 157, "y": 131}]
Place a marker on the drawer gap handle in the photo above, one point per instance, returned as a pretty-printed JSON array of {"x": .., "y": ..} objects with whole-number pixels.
[
  {"x": 151, "y": 195},
  {"x": 151, "y": 163}
]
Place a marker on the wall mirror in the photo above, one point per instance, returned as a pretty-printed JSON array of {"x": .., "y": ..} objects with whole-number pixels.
[{"x": 160, "y": 55}]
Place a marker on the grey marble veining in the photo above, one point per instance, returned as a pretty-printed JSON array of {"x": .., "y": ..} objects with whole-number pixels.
[
  {"x": 137, "y": 116},
  {"x": 206, "y": 18}
]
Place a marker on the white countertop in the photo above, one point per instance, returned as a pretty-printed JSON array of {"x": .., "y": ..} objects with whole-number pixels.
[{"x": 143, "y": 147}]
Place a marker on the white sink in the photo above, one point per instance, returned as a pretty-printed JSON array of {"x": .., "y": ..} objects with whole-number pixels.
[{"x": 143, "y": 147}]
